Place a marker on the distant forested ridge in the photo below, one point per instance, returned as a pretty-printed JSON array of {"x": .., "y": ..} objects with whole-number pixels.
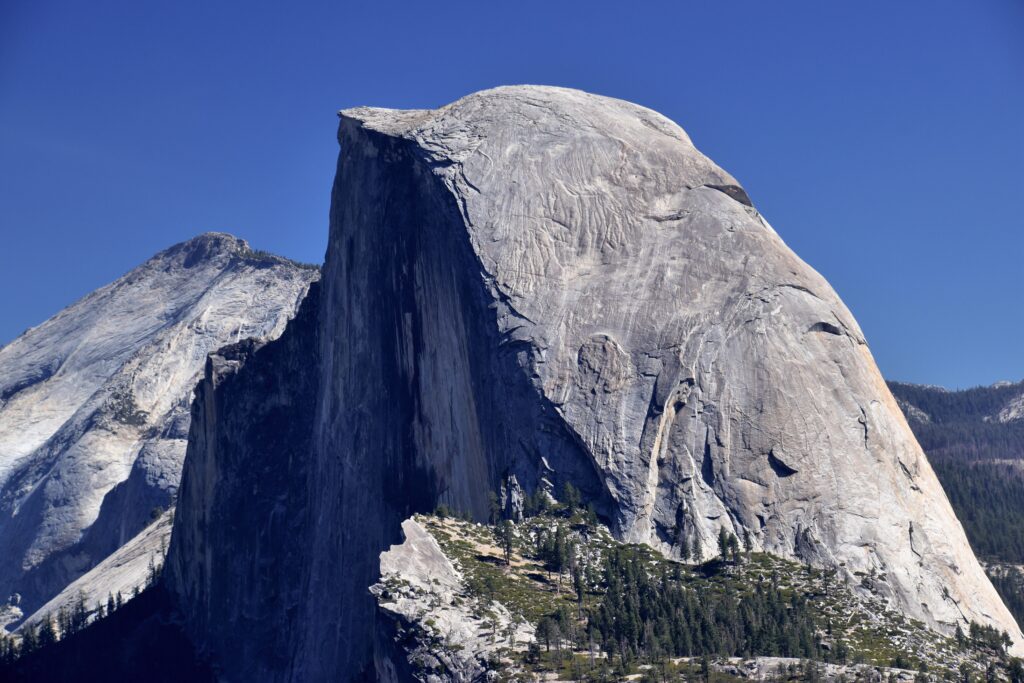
[
  {"x": 978, "y": 458},
  {"x": 977, "y": 450},
  {"x": 963, "y": 425}
]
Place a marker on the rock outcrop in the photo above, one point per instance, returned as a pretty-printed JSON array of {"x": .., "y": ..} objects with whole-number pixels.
[
  {"x": 94, "y": 403},
  {"x": 541, "y": 283},
  {"x": 126, "y": 571},
  {"x": 435, "y": 628}
]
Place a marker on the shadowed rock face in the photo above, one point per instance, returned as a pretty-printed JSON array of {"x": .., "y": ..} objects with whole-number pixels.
[
  {"x": 545, "y": 283},
  {"x": 239, "y": 551}
]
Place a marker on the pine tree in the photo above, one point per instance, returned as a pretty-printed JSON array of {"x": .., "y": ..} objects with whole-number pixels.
[
  {"x": 29, "y": 639},
  {"x": 153, "y": 573},
  {"x": 541, "y": 503},
  {"x": 547, "y": 631},
  {"x": 684, "y": 547},
  {"x": 64, "y": 621},
  {"x": 580, "y": 588},
  {"x": 1016, "y": 671},
  {"x": 571, "y": 496},
  {"x": 79, "y": 613},
  {"x": 506, "y": 537},
  {"x": 734, "y": 548},
  {"x": 47, "y": 633},
  {"x": 494, "y": 507}
]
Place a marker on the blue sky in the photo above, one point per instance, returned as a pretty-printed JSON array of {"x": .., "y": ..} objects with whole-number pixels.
[{"x": 883, "y": 140}]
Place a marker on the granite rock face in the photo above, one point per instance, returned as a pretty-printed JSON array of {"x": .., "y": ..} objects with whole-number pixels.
[
  {"x": 94, "y": 403},
  {"x": 1013, "y": 411},
  {"x": 124, "y": 571},
  {"x": 548, "y": 285},
  {"x": 239, "y": 549},
  {"x": 432, "y": 631}
]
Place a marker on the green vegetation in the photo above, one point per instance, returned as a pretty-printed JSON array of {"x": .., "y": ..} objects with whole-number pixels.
[
  {"x": 969, "y": 406},
  {"x": 123, "y": 408},
  {"x": 988, "y": 498},
  {"x": 1009, "y": 582},
  {"x": 266, "y": 258},
  {"x": 980, "y": 463},
  {"x": 69, "y": 621},
  {"x": 602, "y": 609}
]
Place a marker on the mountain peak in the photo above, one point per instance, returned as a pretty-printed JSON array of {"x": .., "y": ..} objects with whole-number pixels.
[
  {"x": 207, "y": 247},
  {"x": 218, "y": 248},
  {"x": 96, "y": 398}
]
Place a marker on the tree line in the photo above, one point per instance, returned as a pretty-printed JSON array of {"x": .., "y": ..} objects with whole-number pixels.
[{"x": 68, "y": 621}]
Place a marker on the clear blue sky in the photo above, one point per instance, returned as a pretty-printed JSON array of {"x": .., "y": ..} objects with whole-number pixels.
[{"x": 883, "y": 140}]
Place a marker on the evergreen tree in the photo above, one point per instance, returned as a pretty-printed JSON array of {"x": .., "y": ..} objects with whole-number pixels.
[
  {"x": 64, "y": 621},
  {"x": 506, "y": 537},
  {"x": 539, "y": 502},
  {"x": 1016, "y": 671},
  {"x": 571, "y": 496},
  {"x": 580, "y": 588},
  {"x": 684, "y": 547},
  {"x": 153, "y": 573},
  {"x": 47, "y": 633},
  {"x": 494, "y": 507},
  {"x": 547, "y": 631},
  {"x": 79, "y": 613},
  {"x": 734, "y": 548},
  {"x": 657, "y": 615},
  {"x": 29, "y": 640}
]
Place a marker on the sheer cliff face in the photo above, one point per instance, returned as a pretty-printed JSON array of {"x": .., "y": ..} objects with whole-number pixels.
[
  {"x": 239, "y": 548},
  {"x": 546, "y": 283},
  {"x": 94, "y": 403}
]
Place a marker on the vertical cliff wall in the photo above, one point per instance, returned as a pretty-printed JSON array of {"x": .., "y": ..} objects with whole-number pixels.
[
  {"x": 239, "y": 550},
  {"x": 547, "y": 283},
  {"x": 426, "y": 391}
]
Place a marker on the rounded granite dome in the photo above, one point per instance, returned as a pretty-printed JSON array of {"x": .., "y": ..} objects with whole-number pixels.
[
  {"x": 713, "y": 378},
  {"x": 537, "y": 286}
]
